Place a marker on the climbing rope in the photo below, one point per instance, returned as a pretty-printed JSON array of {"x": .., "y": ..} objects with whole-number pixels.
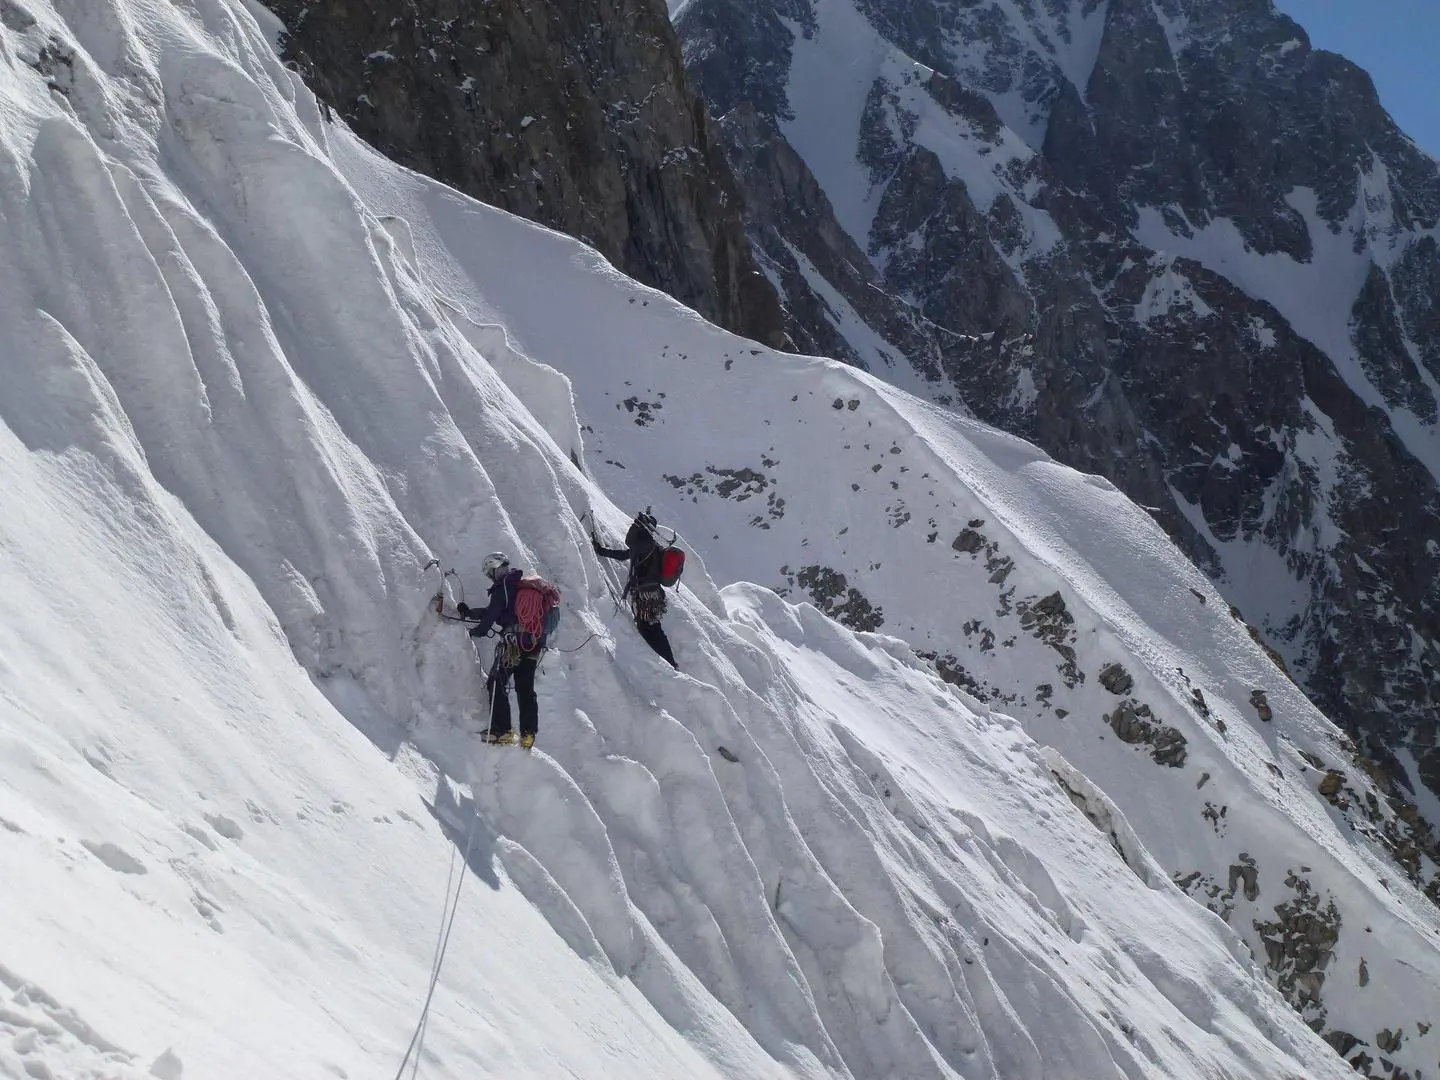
[
  {"x": 588, "y": 638},
  {"x": 438, "y": 601},
  {"x": 604, "y": 566},
  {"x": 416, "y": 1048},
  {"x": 447, "y": 923}
]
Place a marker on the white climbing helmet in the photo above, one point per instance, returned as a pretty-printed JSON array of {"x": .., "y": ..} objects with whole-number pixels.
[{"x": 495, "y": 564}]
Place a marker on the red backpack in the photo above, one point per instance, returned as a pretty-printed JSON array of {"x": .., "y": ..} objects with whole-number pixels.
[
  {"x": 537, "y": 612},
  {"x": 672, "y": 565},
  {"x": 661, "y": 563}
]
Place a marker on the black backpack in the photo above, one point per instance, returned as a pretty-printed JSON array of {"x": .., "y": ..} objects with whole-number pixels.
[{"x": 655, "y": 563}]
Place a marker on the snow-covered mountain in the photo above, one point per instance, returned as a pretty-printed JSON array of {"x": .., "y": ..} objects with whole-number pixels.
[
  {"x": 1042, "y": 591},
  {"x": 253, "y": 377},
  {"x": 1166, "y": 240}
]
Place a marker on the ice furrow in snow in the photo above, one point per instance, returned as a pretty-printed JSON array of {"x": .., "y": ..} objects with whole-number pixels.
[
  {"x": 1025, "y": 580},
  {"x": 239, "y": 412}
]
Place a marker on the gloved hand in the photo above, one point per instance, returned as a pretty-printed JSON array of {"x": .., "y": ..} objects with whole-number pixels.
[{"x": 463, "y": 608}]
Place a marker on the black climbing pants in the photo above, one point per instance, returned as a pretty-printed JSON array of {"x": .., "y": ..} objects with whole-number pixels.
[
  {"x": 654, "y": 635},
  {"x": 497, "y": 697}
]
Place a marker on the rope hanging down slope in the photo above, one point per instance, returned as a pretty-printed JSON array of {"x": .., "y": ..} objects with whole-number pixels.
[{"x": 442, "y": 944}]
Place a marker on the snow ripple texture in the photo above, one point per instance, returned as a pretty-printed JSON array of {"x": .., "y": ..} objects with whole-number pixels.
[{"x": 238, "y": 413}]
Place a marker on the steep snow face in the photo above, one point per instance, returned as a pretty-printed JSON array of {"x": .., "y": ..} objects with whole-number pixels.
[
  {"x": 1041, "y": 590},
  {"x": 1164, "y": 239},
  {"x": 238, "y": 412}
]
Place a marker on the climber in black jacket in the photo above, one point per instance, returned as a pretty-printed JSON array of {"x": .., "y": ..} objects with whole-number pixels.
[{"x": 647, "y": 597}]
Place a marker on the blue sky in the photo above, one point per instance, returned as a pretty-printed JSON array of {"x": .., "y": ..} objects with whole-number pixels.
[{"x": 1396, "y": 41}]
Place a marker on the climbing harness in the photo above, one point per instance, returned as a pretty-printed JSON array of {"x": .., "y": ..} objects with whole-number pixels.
[
  {"x": 507, "y": 653},
  {"x": 649, "y": 603}
]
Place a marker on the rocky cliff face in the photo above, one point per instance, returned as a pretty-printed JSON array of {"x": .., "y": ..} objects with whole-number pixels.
[
  {"x": 575, "y": 114},
  {"x": 1167, "y": 240}
]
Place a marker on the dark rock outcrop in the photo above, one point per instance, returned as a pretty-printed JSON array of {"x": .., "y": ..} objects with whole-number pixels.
[
  {"x": 795, "y": 235},
  {"x": 1299, "y": 946},
  {"x": 1135, "y": 723},
  {"x": 1116, "y": 679},
  {"x": 576, "y": 114}
]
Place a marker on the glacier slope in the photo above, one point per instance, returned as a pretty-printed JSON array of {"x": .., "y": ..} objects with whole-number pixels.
[
  {"x": 951, "y": 535},
  {"x": 235, "y": 422}
]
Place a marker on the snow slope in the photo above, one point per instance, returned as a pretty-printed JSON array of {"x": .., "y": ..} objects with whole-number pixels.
[
  {"x": 952, "y": 534},
  {"x": 251, "y": 378},
  {"x": 1052, "y": 186}
]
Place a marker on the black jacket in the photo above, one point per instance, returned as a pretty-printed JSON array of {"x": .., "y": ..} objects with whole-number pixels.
[{"x": 641, "y": 550}]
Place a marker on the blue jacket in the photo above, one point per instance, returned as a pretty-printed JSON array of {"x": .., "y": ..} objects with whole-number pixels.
[{"x": 500, "y": 611}]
